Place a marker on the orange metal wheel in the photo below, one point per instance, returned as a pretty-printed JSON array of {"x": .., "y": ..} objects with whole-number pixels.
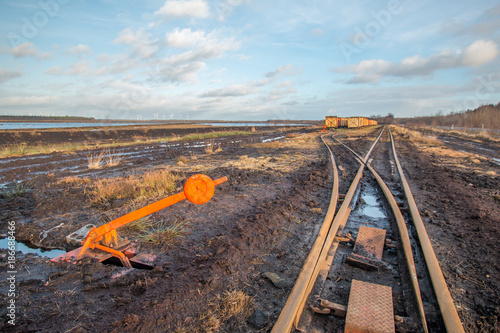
[{"x": 199, "y": 189}]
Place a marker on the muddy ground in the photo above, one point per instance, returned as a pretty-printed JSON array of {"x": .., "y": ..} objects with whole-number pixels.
[
  {"x": 112, "y": 134},
  {"x": 235, "y": 260}
]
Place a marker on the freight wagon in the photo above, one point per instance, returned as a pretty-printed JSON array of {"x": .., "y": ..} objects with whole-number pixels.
[{"x": 350, "y": 122}]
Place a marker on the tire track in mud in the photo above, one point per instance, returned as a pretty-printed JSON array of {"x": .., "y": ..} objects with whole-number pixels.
[{"x": 15, "y": 169}]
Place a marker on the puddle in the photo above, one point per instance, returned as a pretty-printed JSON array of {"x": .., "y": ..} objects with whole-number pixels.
[
  {"x": 369, "y": 211},
  {"x": 4, "y": 244},
  {"x": 273, "y": 139},
  {"x": 372, "y": 208}
]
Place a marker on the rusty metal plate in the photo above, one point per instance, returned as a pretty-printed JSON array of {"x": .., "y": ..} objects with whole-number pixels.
[
  {"x": 370, "y": 242},
  {"x": 97, "y": 255},
  {"x": 370, "y": 308}
]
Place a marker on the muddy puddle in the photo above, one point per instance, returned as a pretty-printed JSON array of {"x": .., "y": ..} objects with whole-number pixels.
[
  {"x": 25, "y": 249},
  {"x": 368, "y": 210}
]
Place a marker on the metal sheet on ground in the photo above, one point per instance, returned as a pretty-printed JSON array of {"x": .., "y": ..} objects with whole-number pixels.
[{"x": 370, "y": 308}]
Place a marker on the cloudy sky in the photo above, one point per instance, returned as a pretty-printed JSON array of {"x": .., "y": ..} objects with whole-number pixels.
[{"x": 247, "y": 59}]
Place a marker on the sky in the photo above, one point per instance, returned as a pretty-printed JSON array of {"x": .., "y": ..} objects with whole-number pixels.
[{"x": 247, "y": 59}]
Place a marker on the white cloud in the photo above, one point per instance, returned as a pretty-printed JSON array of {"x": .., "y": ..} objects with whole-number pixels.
[
  {"x": 6, "y": 74},
  {"x": 179, "y": 73},
  {"x": 141, "y": 41},
  {"x": 79, "y": 49},
  {"x": 276, "y": 94},
  {"x": 288, "y": 69},
  {"x": 231, "y": 91},
  {"x": 184, "y": 38},
  {"x": 27, "y": 100},
  {"x": 486, "y": 24},
  {"x": 317, "y": 32},
  {"x": 80, "y": 68},
  {"x": 27, "y": 49},
  {"x": 225, "y": 8},
  {"x": 371, "y": 71},
  {"x": 204, "y": 47},
  {"x": 55, "y": 70},
  {"x": 285, "y": 84},
  {"x": 179, "y": 8},
  {"x": 479, "y": 53}
]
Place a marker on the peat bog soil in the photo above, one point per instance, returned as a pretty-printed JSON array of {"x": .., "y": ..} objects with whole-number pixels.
[{"x": 233, "y": 261}]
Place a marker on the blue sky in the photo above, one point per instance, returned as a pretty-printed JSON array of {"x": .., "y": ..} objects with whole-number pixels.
[{"x": 247, "y": 59}]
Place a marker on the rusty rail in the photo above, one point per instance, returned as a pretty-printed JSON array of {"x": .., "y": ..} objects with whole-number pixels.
[
  {"x": 445, "y": 301},
  {"x": 403, "y": 232},
  {"x": 291, "y": 312}
]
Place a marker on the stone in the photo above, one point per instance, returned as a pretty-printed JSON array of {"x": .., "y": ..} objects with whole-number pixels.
[{"x": 258, "y": 319}]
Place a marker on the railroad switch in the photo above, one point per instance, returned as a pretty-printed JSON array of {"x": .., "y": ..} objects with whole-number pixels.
[{"x": 104, "y": 242}]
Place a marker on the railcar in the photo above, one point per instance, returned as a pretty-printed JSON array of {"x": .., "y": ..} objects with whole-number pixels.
[{"x": 348, "y": 122}]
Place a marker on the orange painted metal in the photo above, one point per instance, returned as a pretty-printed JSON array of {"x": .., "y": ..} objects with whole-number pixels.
[{"x": 198, "y": 189}]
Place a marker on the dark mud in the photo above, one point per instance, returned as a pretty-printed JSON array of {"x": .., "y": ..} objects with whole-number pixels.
[
  {"x": 260, "y": 224},
  {"x": 113, "y": 134},
  {"x": 261, "y": 221}
]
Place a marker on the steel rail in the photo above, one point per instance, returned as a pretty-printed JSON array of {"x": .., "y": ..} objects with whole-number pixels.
[
  {"x": 403, "y": 232},
  {"x": 291, "y": 312},
  {"x": 291, "y": 308},
  {"x": 445, "y": 301}
]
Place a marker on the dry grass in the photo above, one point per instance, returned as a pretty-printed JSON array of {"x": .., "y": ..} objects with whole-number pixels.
[
  {"x": 140, "y": 225},
  {"x": 104, "y": 158},
  {"x": 95, "y": 161},
  {"x": 482, "y": 136},
  {"x": 74, "y": 180},
  {"x": 182, "y": 160},
  {"x": 150, "y": 184},
  {"x": 112, "y": 160},
  {"x": 415, "y": 136},
  {"x": 210, "y": 148},
  {"x": 232, "y": 305},
  {"x": 235, "y": 304},
  {"x": 165, "y": 232},
  {"x": 317, "y": 210}
]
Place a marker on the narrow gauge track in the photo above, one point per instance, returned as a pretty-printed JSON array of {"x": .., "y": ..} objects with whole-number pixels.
[{"x": 396, "y": 269}]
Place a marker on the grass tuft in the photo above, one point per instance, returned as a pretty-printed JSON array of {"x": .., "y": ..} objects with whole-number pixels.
[
  {"x": 150, "y": 184},
  {"x": 16, "y": 190},
  {"x": 112, "y": 160},
  {"x": 140, "y": 225},
  {"x": 104, "y": 158},
  {"x": 165, "y": 233},
  {"x": 95, "y": 161}
]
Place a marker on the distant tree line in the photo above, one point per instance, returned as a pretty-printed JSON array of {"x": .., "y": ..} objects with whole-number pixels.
[
  {"x": 383, "y": 120},
  {"x": 44, "y": 118},
  {"x": 487, "y": 116}
]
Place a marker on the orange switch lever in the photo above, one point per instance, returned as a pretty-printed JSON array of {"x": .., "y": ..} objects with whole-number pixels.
[{"x": 198, "y": 189}]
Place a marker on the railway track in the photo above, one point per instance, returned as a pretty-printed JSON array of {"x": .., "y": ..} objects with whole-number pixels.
[{"x": 366, "y": 272}]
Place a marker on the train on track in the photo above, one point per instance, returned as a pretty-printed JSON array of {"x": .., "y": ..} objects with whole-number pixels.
[{"x": 350, "y": 122}]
